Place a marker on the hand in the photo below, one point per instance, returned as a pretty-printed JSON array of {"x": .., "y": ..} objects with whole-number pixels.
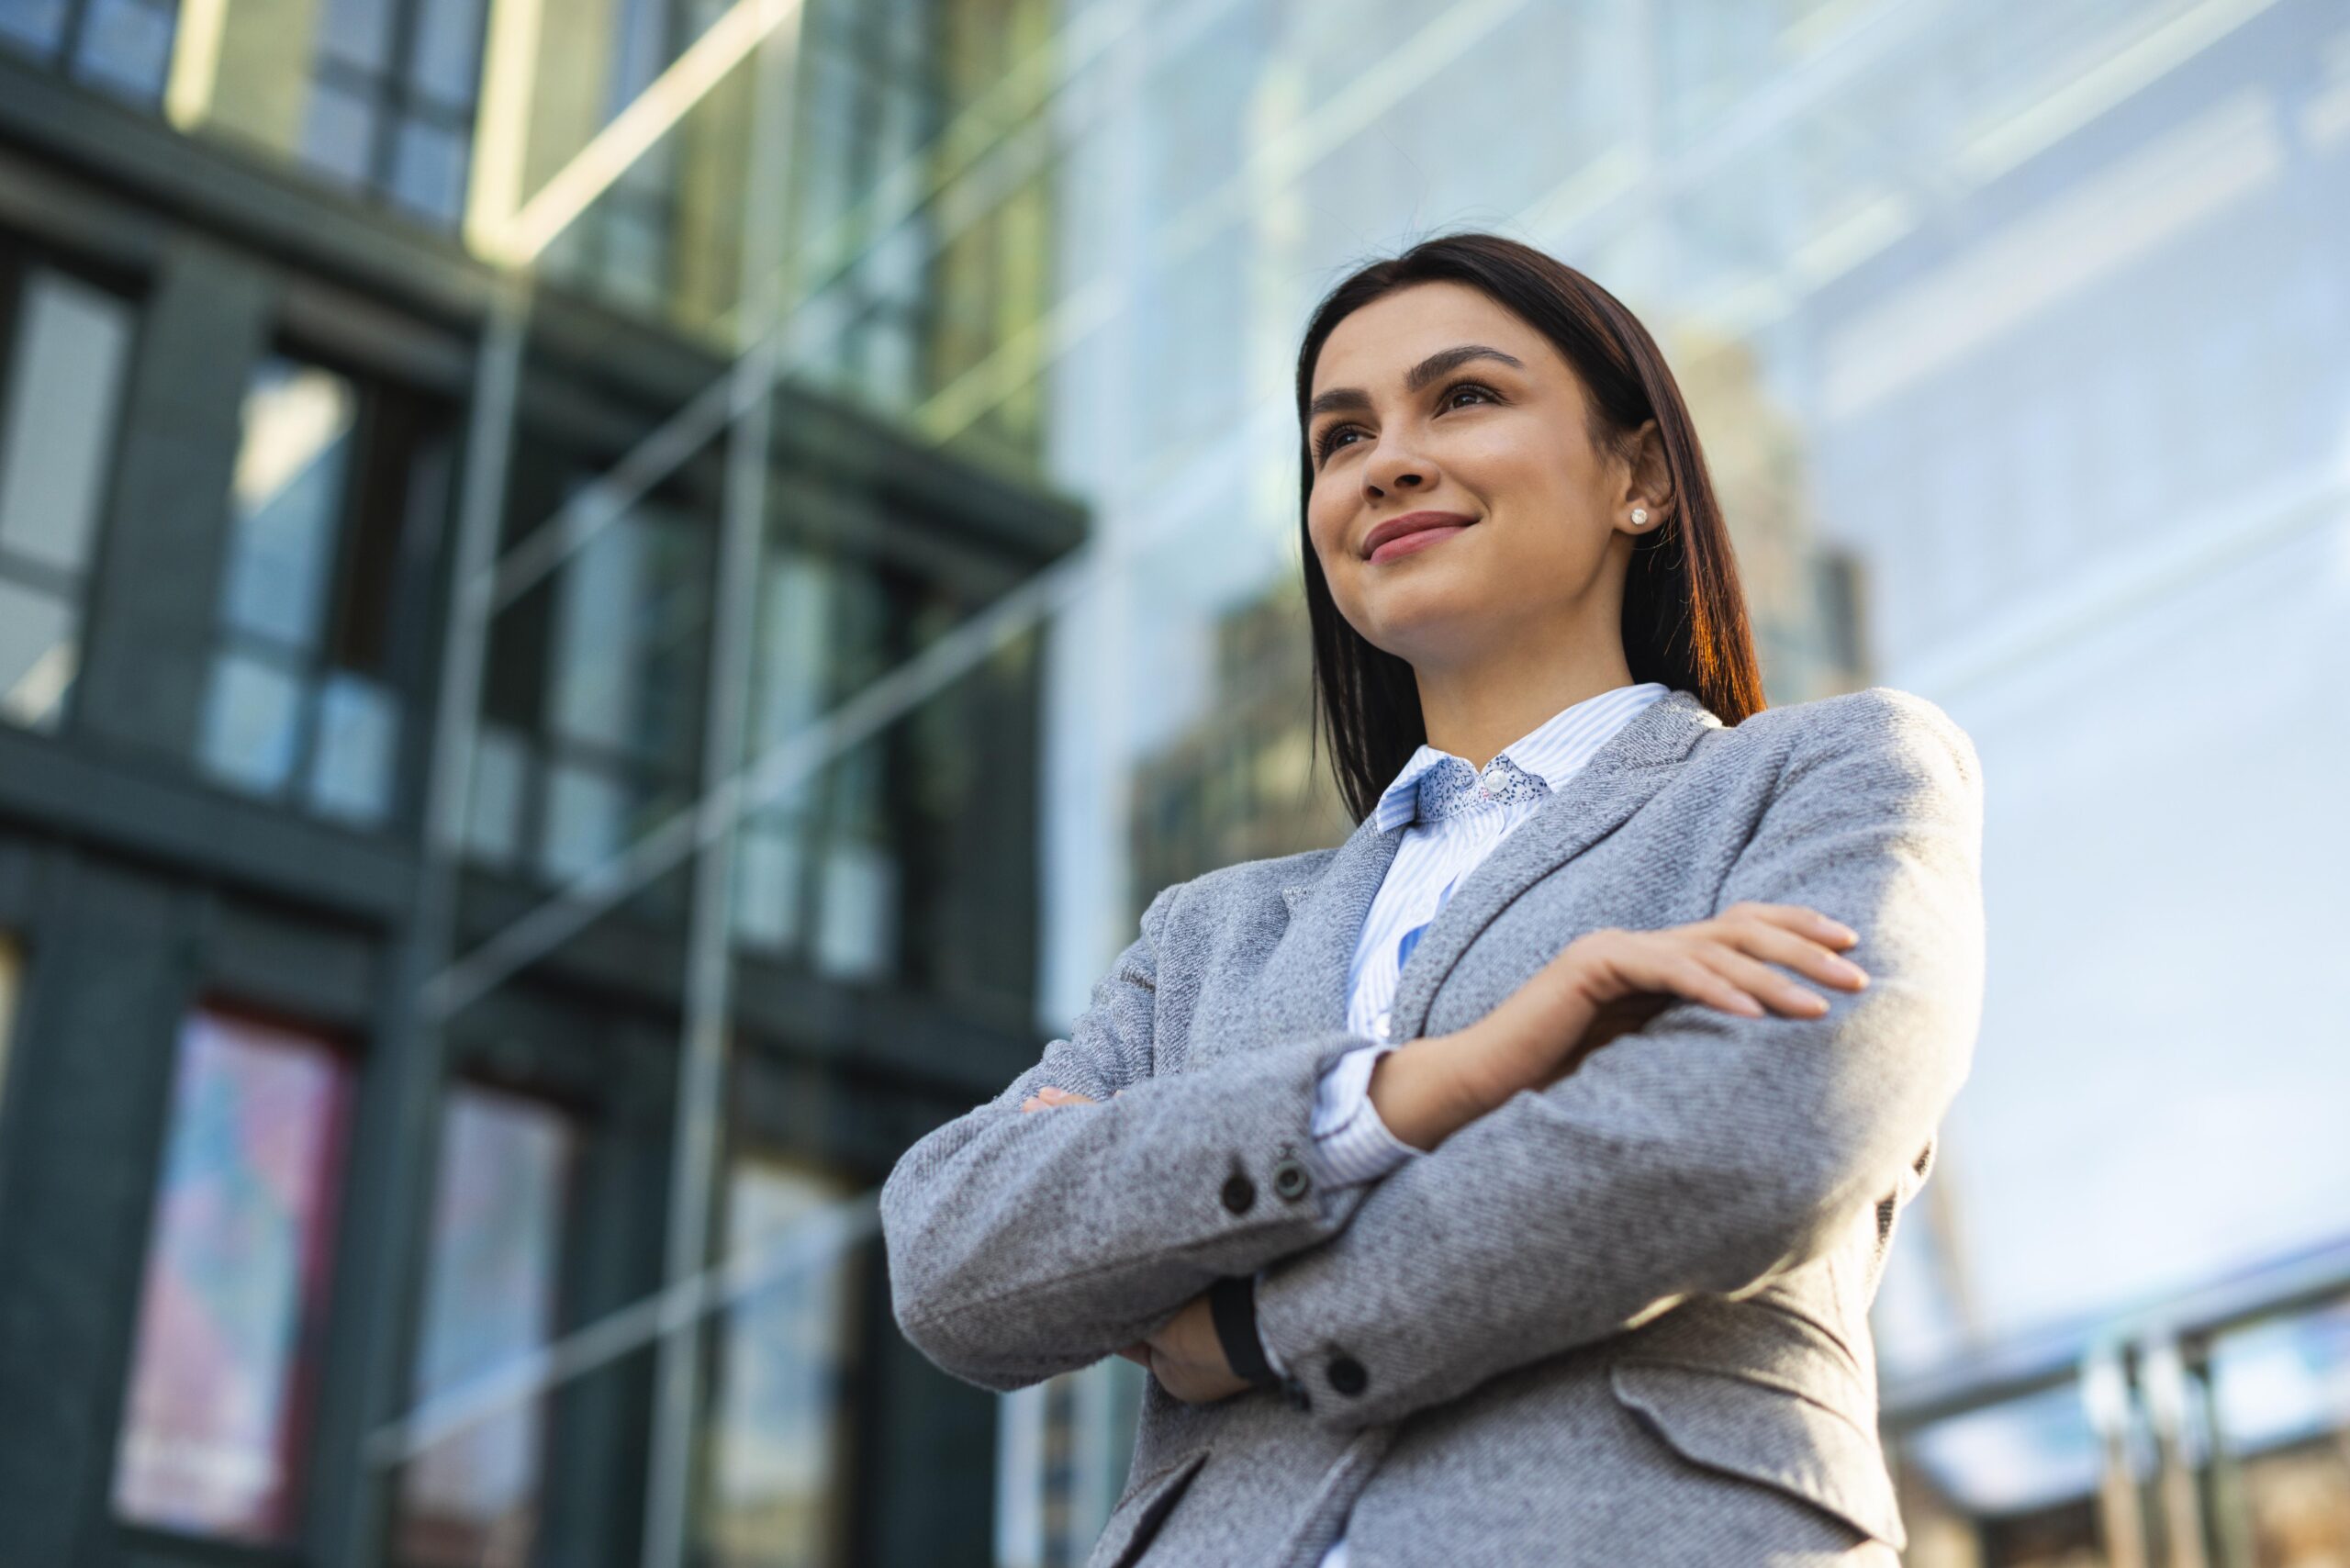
[
  {"x": 1610, "y": 981},
  {"x": 1048, "y": 1097},
  {"x": 1187, "y": 1358}
]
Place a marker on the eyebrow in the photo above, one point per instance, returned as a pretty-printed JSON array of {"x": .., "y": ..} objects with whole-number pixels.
[{"x": 1419, "y": 375}]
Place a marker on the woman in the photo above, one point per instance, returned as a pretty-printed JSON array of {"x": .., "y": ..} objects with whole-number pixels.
[{"x": 1488, "y": 1190}]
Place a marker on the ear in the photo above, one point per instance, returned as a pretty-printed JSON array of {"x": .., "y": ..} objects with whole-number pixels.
[{"x": 1647, "y": 476}]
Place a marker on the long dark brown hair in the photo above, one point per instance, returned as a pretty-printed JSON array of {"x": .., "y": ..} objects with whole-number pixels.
[{"x": 1684, "y": 613}]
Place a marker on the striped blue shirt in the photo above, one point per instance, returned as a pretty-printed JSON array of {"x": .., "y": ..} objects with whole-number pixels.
[{"x": 1350, "y": 1143}]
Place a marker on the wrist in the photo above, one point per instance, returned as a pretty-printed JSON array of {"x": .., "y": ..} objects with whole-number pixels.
[{"x": 1427, "y": 1089}]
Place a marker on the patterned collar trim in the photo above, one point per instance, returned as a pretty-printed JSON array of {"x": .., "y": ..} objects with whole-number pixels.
[{"x": 1528, "y": 767}]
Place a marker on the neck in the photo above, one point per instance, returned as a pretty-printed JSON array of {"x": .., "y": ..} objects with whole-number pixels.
[{"x": 1474, "y": 709}]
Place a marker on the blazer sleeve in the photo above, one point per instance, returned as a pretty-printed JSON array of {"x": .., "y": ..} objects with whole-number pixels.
[
  {"x": 1704, "y": 1153},
  {"x": 1020, "y": 1245}
]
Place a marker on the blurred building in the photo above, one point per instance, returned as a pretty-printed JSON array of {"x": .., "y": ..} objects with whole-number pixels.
[
  {"x": 2006, "y": 330},
  {"x": 329, "y": 1095}
]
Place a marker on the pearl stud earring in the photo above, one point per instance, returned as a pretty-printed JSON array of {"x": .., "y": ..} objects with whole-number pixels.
[{"x": 1640, "y": 516}]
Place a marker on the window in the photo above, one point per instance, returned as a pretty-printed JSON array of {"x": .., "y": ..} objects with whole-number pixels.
[
  {"x": 302, "y": 704},
  {"x": 490, "y": 1297},
  {"x": 70, "y": 349},
  {"x": 593, "y": 698},
  {"x": 391, "y": 105},
  {"x": 777, "y": 1492},
  {"x": 123, "y": 46},
  {"x": 213, "y": 1430},
  {"x": 817, "y": 868}
]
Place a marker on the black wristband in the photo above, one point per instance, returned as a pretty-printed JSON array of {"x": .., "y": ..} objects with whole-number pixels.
[{"x": 1231, "y": 1305}]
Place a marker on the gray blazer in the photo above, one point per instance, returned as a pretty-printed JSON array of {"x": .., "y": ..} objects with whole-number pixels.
[{"x": 1621, "y": 1320}]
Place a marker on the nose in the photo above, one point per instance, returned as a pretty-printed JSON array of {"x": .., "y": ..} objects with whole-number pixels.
[{"x": 1394, "y": 470}]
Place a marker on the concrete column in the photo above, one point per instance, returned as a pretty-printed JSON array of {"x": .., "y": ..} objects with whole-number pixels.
[{"x": 154, "y": 599}]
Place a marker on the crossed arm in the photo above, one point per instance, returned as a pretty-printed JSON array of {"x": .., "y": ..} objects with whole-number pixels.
[
  {"x": 1024, "y": 1246},
  {"x": 1704, "y": 1153}
]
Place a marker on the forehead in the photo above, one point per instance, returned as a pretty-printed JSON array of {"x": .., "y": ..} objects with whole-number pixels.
[{"x": 1374, "y": 346}]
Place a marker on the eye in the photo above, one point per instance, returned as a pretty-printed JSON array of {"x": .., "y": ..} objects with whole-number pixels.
[{"x": 1330, "y": 442}]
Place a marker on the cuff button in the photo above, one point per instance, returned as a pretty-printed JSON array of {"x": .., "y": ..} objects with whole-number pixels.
[
  {"x": 1290, "y": 1179},
  {"x": 1238, "y": 1193},
  {"x": 1346, "y": 1375}
]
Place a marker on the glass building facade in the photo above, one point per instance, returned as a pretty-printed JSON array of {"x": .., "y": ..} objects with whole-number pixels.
[
  {"x": 467, "y": 957},
  {"x": 2007, "y": 331},
  {"x": 606, "y": 613}
]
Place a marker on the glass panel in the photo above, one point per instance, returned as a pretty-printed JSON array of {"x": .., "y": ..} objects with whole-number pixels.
[
  {"x": 212, "y": 1436},
  {"x": 287, "y": 499},
  {"x": 587, "y": 821},
  {"x": 351, "y": 772},
  {"x": 358, "y": 32},
  {"x": 39, "y": 652},
  {"x": 630, "y": 612},
  {"x": 252, "y": 722},
  {"x": 37, "y": 25},
  {"x": 126, "y": 44},
  {"x": 64, "y": 381},
  {"x": 857, "y": 930},
  {"x": 779, "y": 1409},
  {"x": 2019, "y": 1457},
  {"x": 501, "y": 779},
  {"x": 428, "y": 170},
  {"x": 497, "y": 1231},
  {"x": 339, "y": 133},
  {"x": 448, "y": 51},
  {"x": 2285, "y": 1385}
]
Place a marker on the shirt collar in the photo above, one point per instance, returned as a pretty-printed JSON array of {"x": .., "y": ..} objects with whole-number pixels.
[{"x": 1553, "y": 751}]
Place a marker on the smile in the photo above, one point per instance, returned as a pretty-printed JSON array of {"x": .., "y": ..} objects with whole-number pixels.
[{"x": 1417, "y": 540}]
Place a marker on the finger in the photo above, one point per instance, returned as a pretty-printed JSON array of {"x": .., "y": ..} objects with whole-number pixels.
[
  {"x": 1802, "y": 919},
  {"x": 1763, "y": 939},
  {"x": 1764, "y": 983},
  {"x": 1694, "y": 977}
]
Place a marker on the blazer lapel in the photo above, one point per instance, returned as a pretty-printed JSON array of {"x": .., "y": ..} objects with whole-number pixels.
[
  {"x": 1302, "y": 988},
  {"x": 1597, "y": 799}
]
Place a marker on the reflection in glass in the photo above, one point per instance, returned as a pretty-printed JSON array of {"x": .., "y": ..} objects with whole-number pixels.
[
  {"x": 501, "y": 791},
  {"x": 787, "y": 695},
  {"x": 127, "y": 46},
  {"x": 428, "y": 170},
  {"x": 65, "y": 378},
  {"x": 35, "y": 26},
  {"x": 2281, "y": 1404},
  {"x": 286, "y": 499},
  {"x": 252, "y": 717},
  {"x": 299, "y": 703},
  {"x": 490, "y": 1297},
  {"x": 213, "y": 1434},
  {"x": 60, "y": 397},
  {"x": 339, "y": 133},
  {"x": 38, "y": 655},
  {"x": 2026, "y": 1454},
  {"x": 779, "y": 1407},
  {"x": 352, "y": 759}
]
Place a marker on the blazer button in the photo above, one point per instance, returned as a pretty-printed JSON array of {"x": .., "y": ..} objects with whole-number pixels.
[
  {"x": 1238, "y": 1193},
  {"x": 1346, "y": 1375},
  {"x": 1290, "y": 1180}
]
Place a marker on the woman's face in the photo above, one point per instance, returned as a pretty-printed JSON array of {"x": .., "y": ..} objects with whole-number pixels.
[{"x": 1498, "y": 442}]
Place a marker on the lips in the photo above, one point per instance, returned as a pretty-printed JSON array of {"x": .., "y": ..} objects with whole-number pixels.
[{"x": 1412, "y": 522}]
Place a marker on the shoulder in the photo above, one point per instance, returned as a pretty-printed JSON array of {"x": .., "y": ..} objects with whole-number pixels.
[
  {"x": 1881, "y": 739},
  {"x": 1244, "y": 883}
]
